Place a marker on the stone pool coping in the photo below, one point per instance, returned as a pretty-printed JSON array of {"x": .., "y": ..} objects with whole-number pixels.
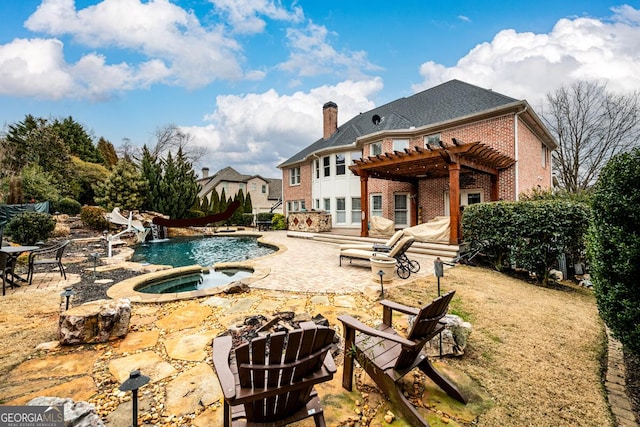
[{"x": 127, "y": 287}]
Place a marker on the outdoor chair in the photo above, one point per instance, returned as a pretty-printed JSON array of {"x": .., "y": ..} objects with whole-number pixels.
[
  {"x": 46, "y": 257},
  {"x": 386, "y": 356},
  {"x": 6, "y": 269},
  {"x": 277, "y": 388}
]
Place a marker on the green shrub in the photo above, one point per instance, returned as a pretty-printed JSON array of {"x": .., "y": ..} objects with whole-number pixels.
[
  {"x": 547, "y": 229},
  {"x": 247, "y": 219},
  {"x": 489, "y": 227},
  {"x": 614, "y": 247},
  {"x": 67, "y": 205},
  {"x": 528, "y": 234},
  {"x": 94, "y": 217},
  {"x": 30, "y": 227},
  {"x": 279, "y": 222},
  {"x": 265, "y": 216}
]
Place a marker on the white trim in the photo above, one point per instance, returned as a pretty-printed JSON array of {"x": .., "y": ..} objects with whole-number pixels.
[{"x": 464, "y": 198}]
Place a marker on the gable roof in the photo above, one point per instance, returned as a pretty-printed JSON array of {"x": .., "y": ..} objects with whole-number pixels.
[
  {"x": 229, "y": 174},
  {"x": 443, "y": 103}
]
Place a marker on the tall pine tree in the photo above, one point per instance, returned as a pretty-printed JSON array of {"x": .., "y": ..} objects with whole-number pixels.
[
  {"x": 214, "y": 203},
  {"x": 152, "y": 172}
]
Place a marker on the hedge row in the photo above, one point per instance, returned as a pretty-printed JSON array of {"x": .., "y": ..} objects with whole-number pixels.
[
  {"x": 526, "y": 234},
  {"x": 614, "y": 247}
]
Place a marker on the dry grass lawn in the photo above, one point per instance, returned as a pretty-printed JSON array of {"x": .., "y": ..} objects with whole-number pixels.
[{"x": 537, "y": 351}]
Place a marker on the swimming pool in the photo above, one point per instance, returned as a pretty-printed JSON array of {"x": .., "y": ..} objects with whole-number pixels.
[{"x": 204, "y": 251}]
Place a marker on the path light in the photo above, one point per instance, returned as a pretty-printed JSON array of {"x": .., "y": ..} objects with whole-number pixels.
[
  {"x": 94, "y": 257},
  {"x": 438, "y": 271},
  {"x": 381, "y": 273},
  {"x": 135, "y": 381},
  {"x": 67, "y": 294}
]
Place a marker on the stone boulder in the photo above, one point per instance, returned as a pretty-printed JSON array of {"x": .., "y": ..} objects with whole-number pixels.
[
  {"x": 454, "y": 337},
  {"x": 95, "y": 322},
  {"x": 76, "y": 414}
]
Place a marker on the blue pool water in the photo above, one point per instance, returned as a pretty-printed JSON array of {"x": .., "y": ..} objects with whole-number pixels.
[{"x": 204, "y": 251}]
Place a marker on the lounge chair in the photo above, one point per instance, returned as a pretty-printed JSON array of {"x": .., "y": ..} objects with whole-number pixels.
[
  {"x": 403, "y": 244},
  {"x": 49, "y": 256},
  {"x": 385, "y": 247},
  {"x": 386, "y": 356},
  {"x": 405, "y": 265},
  {"x": 277, "y": 388}
]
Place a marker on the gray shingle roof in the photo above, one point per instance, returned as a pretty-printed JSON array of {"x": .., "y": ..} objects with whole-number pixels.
[{"x": 448, "y": 101}]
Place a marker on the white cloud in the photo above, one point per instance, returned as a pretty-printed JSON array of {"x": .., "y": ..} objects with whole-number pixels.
[
  {"x": 244, "y": 15},
  {"x": 162, "y": 31},
  {"x": 256, "y": 132},
  {"x": 36, "y": 67},
  {"x": 312, "y": 54},
  {"x": 528, "y": 66},
  {"x": 33, "y": 68}
]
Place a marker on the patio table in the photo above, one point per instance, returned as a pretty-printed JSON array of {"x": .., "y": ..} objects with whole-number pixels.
[{"x": 14, "y": 252}]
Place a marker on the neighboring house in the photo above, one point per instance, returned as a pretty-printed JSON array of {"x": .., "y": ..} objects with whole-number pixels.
[
  {"x": 266, "y": 193},
  {"x": 420, "y": 157}
]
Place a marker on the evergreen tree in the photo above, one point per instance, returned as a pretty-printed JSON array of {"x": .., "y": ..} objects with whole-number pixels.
[
  {"x": 186, "y": 186},
  {"x": 240, "y": 197},
  {"x": 248, "y": 207},
  {"x": 236, "y": 217},
  {"x": 107, "y": 152},
  {"x": 77, "y": 140},
  {"x": 152, "y": 172},
  {"x": 125, "y": 188},
  {"x": 222, "y": 205},
  {"x": 87, "y": 175},
  {"x": 214, "y": 203},
  {"x": 178, "y": 188},
  {"x": 33, "y": 142}
]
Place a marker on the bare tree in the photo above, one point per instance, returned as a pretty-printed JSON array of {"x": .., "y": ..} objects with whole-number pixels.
[
  {"x": 591, "y": 125},
  {"x": 127, "y": 151},
  {"x": 169, "y": 138}
]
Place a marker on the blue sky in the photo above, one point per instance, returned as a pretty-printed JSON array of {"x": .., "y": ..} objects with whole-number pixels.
[{"x": 247, "y": 78}]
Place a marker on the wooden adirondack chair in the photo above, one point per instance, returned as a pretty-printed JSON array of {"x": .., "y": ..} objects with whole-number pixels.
[
  {"x": 275, "y": 389},
  {"x": 387, "y": 356}
]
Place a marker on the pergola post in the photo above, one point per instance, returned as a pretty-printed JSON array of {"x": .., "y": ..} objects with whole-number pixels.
[
  {"x": 494, "y": 188},
  {"x": 364, "y": 205},
  {"x": 454, "y": 202},
  {"x": 413, "y": 204}
]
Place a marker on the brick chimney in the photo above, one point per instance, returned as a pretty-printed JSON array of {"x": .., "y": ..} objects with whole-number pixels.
[
  {"x": 329, "y": 119},
  {"x": 205, "y": 172}
]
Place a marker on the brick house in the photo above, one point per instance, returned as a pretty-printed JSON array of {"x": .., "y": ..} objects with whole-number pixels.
[
  {"x": 266, "y": 193},
  {"x": 421, "y": 157}
]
